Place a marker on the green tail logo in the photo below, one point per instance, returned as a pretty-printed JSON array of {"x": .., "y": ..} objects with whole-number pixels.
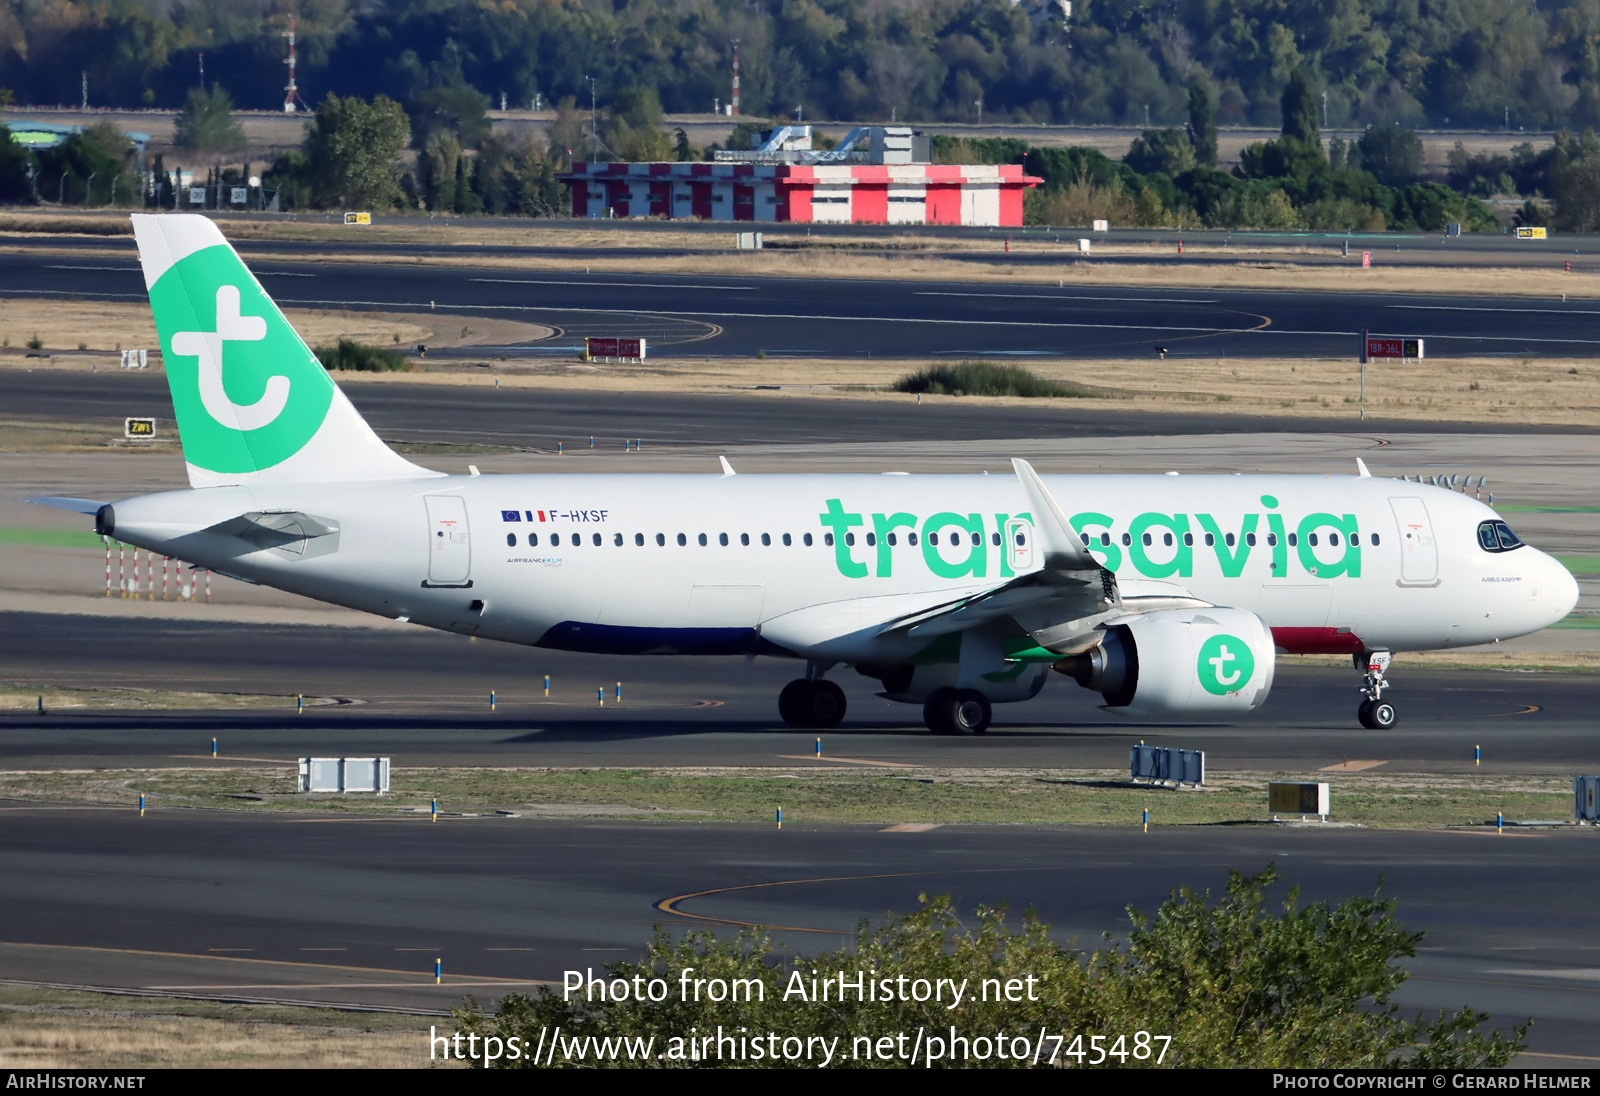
[{"x": 247, "y": 392}]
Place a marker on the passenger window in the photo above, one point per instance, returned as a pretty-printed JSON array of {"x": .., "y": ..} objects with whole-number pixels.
[
  {"x": 766, "y": 540},
  {"x": 1372, "y": 539},
  {"x": 744, "y": 539},
  {"x": 1312, "y": 539},
  {"x": 1210, "y": 540},
  {"x": 1188, "y": 540},
  {"x": 1292, "y": 538},
  {"x": 597, "y": 540},
  {"x": 850, "y": 539},
  {"x": 872, "y": 539},
  {"x": 786, "y": 540},
  {"x": 977, "y": 539},
  {"x": 533, "y": 540},
  {"x": 827, "y": 538},
  {"x": 1147, "y": 540},
  {"x": 702, "y": 540},
  {"x": 619, "y": 540},
  {"x": 638, "y": 540},
  {"x": 661, "y": 540},
  {"x": 933, "y": 539},
  {"x": 1166, "y": 538},
  {"x": 1021, "y": 540},
  {"x": 1105, "y": 540},
  {"x": 1127, "y": 540},
  {"x": 806, "y": 539},
  {"x": 995, "y": 539},
  {"x": 911, "y": 539},
  {"x": 1229, "y": 539},
  {"x": 1272, "y": 540},
  {"x": 511, "y": 540},
  {"x": 682, "y": 540},
  {"x": 892, "y": 540},
  {"x": 1085, "y": 537},
  {"x": 722, "y": 539},
  {"x": 1250, "y": 539}
]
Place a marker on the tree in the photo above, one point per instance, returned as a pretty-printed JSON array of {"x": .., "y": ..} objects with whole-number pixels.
[
  {"x": 1165, "y": 150},
  {"x": 206, "y": 122},
  {"x": 458, "y": 110},
  {"x": 1203, "y": 124},
  {"x": 92, "y": 166},
  {"x": 1233, "y": 983},
  {"x": 354, "y": 152},
  {"x": 1393, "y": 154},
  {"x": 16, "y": 163},
  {"x": 1300, "y": 108}
]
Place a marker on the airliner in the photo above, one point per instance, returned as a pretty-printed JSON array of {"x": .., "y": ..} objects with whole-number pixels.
[{"x": 1169, "y": 595}]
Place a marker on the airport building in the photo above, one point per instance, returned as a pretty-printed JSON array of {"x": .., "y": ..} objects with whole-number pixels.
[{"x": 876, "y": 175}]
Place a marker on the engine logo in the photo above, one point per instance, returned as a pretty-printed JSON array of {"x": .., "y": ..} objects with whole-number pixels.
[{"x": 1225, "y": 664}]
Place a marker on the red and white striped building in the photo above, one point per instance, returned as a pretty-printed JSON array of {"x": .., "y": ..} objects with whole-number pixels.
[{"x": 909, "y": 194}]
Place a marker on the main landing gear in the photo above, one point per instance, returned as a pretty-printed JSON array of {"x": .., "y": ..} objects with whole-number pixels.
[
  {"x": 810, "y": 703},
  {"x": 957, "y": 711},
  {"x": 1375, "y": 713}
]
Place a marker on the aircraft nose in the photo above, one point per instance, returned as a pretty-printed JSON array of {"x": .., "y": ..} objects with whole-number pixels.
[{"x": 1563, "y": 589}]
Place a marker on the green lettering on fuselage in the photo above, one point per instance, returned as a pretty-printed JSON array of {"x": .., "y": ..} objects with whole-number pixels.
[{"x": 956, "y": 546}]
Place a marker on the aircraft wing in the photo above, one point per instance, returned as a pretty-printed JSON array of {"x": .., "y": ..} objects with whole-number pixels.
[{"x": 1062, "y": 603}]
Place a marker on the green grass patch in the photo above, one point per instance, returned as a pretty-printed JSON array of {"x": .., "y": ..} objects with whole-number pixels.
[
  {"x": 1580, "y": 565},
  {"x": 973, "y": 378},
  {"x": 1511, "y": 508},
  {"x": 818, "y": 795},
  {"x": 27, "y": 697},
  {"x": 1578, "y": 620},
  {"x": 50, "y": 538},
  {"x": 360, "y": 357}
]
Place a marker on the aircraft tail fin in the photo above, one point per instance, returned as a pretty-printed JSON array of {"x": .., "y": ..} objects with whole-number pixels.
[{"x": 253, "y": 404}]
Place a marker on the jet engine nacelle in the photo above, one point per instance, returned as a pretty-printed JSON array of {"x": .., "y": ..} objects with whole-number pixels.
[{"x": 1180, "y": 662}]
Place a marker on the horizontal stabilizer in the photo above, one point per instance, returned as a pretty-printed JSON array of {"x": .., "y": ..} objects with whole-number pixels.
[{"x": 62, "y": 502}]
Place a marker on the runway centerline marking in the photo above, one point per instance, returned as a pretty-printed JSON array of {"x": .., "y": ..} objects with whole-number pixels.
[{"x": 623, "y": 285}]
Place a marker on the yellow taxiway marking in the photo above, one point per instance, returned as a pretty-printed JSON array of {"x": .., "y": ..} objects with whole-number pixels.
[
  {"x": 670, "y": 905},
  {"x": 847, "y": 761},
  {"x": 1351, "y": 766}
]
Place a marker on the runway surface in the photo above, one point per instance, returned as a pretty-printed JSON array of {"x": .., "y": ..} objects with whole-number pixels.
[
  {"x": 284, "y": 908},
  {"x": 422, "y": 698},
  {"x": 704, "y": 314},
  {"x": 539, "y": 418}
]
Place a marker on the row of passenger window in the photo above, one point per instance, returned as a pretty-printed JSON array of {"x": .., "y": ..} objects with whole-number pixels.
[
  {"x": 576, "y": 539},
  {"x": 1229, "y": 540}
]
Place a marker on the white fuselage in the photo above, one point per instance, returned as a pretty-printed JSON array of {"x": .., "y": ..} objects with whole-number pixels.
[{"x": 688, "y": 563}]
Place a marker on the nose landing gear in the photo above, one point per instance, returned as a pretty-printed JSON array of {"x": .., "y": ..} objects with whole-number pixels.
[{"x": 1375, "y": 713}]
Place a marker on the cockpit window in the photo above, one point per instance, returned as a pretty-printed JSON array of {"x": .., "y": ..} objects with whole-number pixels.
[{"x": 1496, "y": 536}]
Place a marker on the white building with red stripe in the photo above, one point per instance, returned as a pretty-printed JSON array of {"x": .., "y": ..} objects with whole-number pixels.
[{"x": 786, "y": 181}]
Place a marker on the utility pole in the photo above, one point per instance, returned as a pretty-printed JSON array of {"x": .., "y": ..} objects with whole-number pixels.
[
  {"x": 202, "y": 70},
  {"x": 978, "y": 102},
  {"x": 1324, "y": 108},
  {"x": 86, "y": 90}
]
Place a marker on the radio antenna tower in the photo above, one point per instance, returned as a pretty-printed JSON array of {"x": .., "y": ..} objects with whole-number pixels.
[
  {"x": 736, "y": 78},
  {"x": 290, "y": 92}
]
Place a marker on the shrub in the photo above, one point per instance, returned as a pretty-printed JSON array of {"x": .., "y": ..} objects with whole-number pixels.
[
  {"x": 350, "y": 354},
  {"x": 988, "y": 379}
]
